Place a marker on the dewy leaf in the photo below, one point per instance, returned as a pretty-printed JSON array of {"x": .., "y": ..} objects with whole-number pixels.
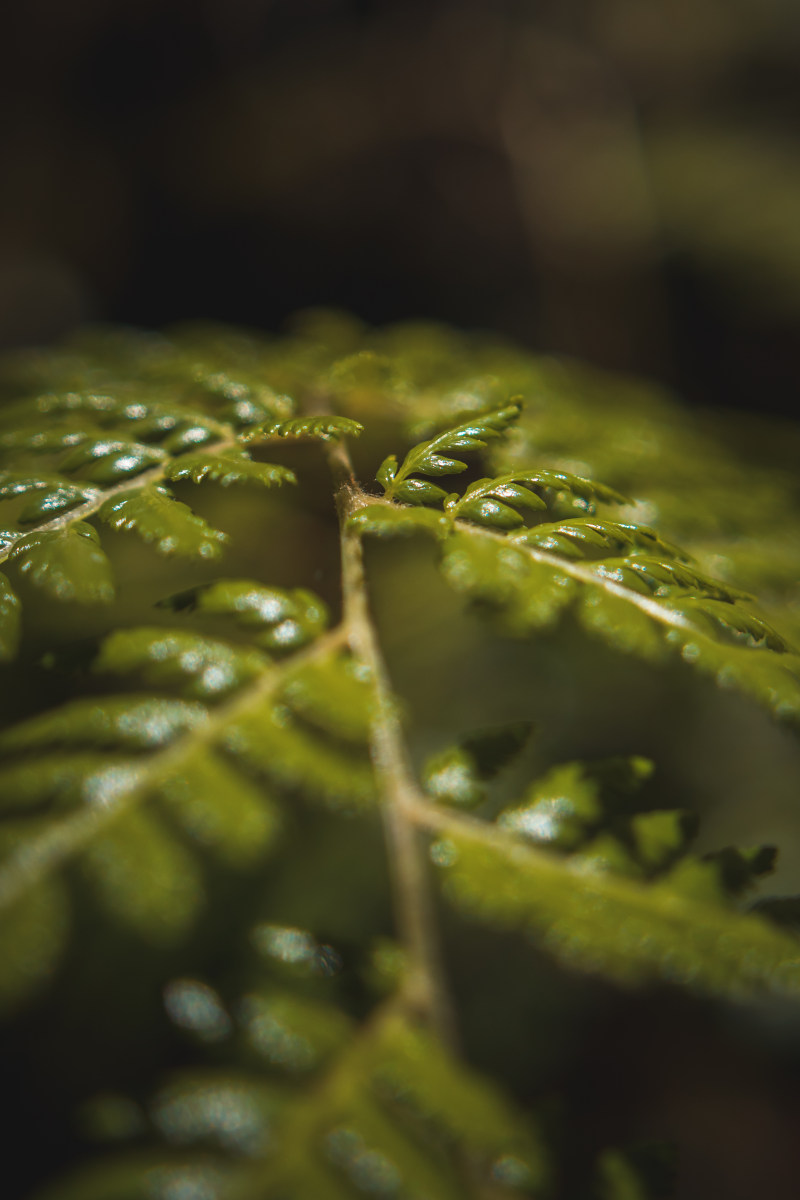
[
  {"x": 282, "y": 619},
  {"x": 432, "y": 458},
  {"x": 188, "y": 434},
  {"x": 68, "y": 563},
  {"x": 156, "y": 516},
  {"x": 384, "y": 520},
  {"x": 53, "y": 501},
  {"x": 573, "y": 800},
  {"x": 127, "y": 723},
  {"x": 13, "y": 483},
  {"x": 588, "y": 539},
  {"x": 232, "y": 466},
  {"x": 324, "y": 428},
  {"x": 107, "y": 461}
]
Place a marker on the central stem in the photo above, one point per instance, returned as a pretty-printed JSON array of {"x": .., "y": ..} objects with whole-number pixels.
[{"x": 425, "y": 989}]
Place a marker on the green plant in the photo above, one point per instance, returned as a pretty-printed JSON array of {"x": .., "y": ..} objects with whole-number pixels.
[{"x": 253, "y": 825}]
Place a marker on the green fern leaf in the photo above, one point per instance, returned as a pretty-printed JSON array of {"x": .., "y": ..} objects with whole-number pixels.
[
  {"x": 619, "y": 927},
  {"x": 20, "y": 484},
  {"x": 107, "y": 461},
  {"x": 432, "y": 457},
  {"x": 234, "y": 466},
  {"x": 456, "y": 776},
  {"x": 189, "y": 434},
  {"x": 127, "y": 723},
  {"x": 285, "y": 619},
  {"x": 239, "y": 831},
  {"x": 62, "y": 780},
  {"x": 156, "y": 516},
  {"x": 198, "y": 667},
  {"x": 53, "y": 502},
  {"x": 587, "y": 539},
  {"x": 68, "y": 563},
  {"x": 276, "y": 746},
  {"x": 641, "y": 604},
  {"x": 324, "y": 428}
]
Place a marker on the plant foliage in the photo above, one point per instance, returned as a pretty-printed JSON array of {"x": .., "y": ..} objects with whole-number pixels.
[{"x": 215, "y": 782}]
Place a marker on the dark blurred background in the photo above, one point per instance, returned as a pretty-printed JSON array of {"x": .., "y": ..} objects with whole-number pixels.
[{"x": 617, "y": 180}]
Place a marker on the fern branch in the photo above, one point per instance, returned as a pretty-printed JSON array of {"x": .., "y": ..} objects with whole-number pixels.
[
  {"x": 582, "y": 572},
  {"x": 40, "y": 856},
  {"x": 90, "y": 507},
  {"x": 654, "y": 608},
  {"x": 298, "y": 1132},
  {"x": 425, "y": 988},
  {"x": 630, "y": 930}
]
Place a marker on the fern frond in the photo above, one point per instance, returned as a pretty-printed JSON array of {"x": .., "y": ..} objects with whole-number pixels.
[
  {"x": 124, "y": 723},
  {"x": 326, "y": 428},
  {"x": 384, "y": 1108},
  {"x": 585, "y": 539},
  {"x": 176, "y": 748},
  {"x": 68, "y": 563},
  {"x": 116, "y": 432},
  {"x": 600, "y": 920},
  {"x": 54, "y": 501},
  {"x": 282, "y": 619},
  {"x": 433, "y": 457},
  {"x": 16, "y": 483},
  {"x": 280, "y": 740},
  {"x": 157, "y": 517},
  {"x": 79, "y": 777},
  {"x": 108, "y": 461},
  {"x": 640, "y": 604},
  {"x": 234, "y": 466}
]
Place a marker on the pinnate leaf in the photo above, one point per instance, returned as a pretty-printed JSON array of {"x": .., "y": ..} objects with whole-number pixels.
[
  {"x": 68, "y": 563},
  {"x": 125, "y": 722},
  {"x": 283, "y": 619},
  {"x": 199, "y": 667},
  {"x": 108, "y": 461},
  {"x": 323, "y": 428},
  {"x": 157, "y": 517},
  {"x": 625, "y": 929},
  {"x": 232, "y": 466}
]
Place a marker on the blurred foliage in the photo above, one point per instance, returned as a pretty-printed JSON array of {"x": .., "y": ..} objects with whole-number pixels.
[
  {"x": 610, "y": 179},
  {"x": 344, "y": 812}
]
